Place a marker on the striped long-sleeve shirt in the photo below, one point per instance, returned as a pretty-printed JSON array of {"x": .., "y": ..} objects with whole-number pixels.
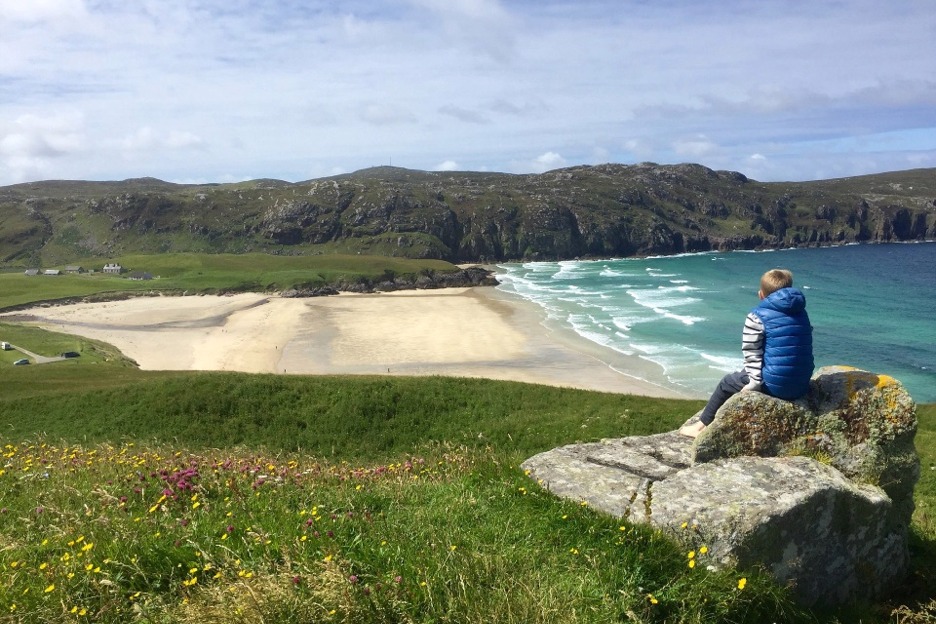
[{"x": 752, "y": 347}]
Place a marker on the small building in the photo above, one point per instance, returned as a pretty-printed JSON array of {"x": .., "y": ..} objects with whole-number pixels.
[
  {"x": 73, "y": 268},
  {"x": 140, "y": 275},
  {"x": 32, "y": 272},
  {"x": 113, "y": 268},
  {"x": 52, "y": 272}
]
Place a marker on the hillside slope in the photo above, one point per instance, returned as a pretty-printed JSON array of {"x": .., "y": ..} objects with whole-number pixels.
[{"x": 588, "y": 211}]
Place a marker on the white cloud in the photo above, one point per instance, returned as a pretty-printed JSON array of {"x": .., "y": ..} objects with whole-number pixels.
[
  {"x": 146, "y": 138},
  {"x": 696, "y": 147},
  {"x": 386, "y": 114},
  {"x": 41, "y": 10},
  {"x": 32, "y": 143},
  {"x": 196, "y": 90},
  {"x": 447, "y": 165},
  {"x": 544, "y": 162},
  {"x": 463, "y": 114}
]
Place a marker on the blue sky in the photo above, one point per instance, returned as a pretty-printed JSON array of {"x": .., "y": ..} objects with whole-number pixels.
[{"x": 228, "y": 90}]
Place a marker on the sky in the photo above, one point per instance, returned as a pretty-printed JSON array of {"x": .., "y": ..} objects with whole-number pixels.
[{"x": 196, "y": 91}]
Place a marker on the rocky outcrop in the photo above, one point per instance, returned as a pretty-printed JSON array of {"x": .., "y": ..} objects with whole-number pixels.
[
  {"x": 468, "y": 276},
  {"x": 818, "y": 491},
  {"x": 590, "y": 211}
]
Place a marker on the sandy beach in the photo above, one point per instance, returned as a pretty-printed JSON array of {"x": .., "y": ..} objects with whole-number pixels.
[{"x": 466, "y": 332}]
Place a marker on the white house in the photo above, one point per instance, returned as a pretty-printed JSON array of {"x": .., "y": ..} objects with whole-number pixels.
[{"x": 112, "y": 268}]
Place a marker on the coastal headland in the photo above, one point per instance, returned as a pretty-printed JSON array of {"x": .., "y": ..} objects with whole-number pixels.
[{"x": 465, "y": 332}]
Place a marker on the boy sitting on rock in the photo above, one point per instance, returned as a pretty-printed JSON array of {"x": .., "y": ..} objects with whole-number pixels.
[{"x": 777, "y": 346}]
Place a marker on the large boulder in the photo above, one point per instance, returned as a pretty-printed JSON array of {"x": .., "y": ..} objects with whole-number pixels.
[{"x": 818, "y": 491}]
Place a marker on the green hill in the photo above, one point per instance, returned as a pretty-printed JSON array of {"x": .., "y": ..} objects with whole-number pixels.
[{"x": 589, "y": 211}]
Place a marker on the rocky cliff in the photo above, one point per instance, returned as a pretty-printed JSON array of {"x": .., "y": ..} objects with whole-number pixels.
[{"x": 589, "y": 211}]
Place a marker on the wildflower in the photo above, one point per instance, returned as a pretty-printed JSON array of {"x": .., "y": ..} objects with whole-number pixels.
[
  {"x": 50, "y": 588},
  {"x": 691, "y": 554},
  {"x": 691, "y": 563},
  {"x": 353, "y": 579},
  {"x": 652, "y": 599},
  {"x": 703, "y": 550},
  {"x": 741, "y": 583}
]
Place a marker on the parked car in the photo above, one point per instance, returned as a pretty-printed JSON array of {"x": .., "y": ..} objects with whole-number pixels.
[
  {"x": 21, "y": 362},
  {"x": 71, "y": 354}
]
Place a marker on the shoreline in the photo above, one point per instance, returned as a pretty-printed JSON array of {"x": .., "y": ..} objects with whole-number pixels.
[{"x": 465, "y": 332}]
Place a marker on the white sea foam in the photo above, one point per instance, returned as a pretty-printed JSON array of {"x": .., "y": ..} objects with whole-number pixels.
[
  {"x": 661, "y": 301},
  {"x": 722, "y": 362},
  {"x": 690, "y": 311}
]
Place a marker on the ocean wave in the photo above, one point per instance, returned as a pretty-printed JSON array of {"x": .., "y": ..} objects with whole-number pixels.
[{"x": 721, "y": 362}]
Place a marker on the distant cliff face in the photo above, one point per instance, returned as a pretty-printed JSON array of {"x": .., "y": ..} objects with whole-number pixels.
[{"x": 597, "y": 211}]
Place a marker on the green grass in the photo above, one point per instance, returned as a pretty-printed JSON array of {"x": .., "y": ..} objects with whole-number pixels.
[
  {"x": 129, "y": 495},
  {"x": 208, "y": 273},
  {"x": 232, "y": 498}
]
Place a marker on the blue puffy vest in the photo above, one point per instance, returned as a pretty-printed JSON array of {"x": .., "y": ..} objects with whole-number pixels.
[{"x": 788, "y": 356}]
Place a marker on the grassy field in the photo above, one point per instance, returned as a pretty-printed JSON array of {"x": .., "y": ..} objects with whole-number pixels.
[
  {"x": 213, "y": 497},
  {"x": 139, "y": 496},
  {"x": 208, "y": 273}
]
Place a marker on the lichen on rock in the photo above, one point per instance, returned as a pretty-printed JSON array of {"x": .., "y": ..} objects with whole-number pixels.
[{"x": 819, "y": 491}]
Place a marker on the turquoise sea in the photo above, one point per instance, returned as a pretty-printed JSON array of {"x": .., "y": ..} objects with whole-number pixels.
[{"x": 871, "y": 306}]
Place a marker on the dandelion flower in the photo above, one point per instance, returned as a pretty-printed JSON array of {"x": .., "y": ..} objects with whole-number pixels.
[
  {"x": 50, "y": 588},
  {"x": 691, "y": 563},
  {"x": 741, "y": 583},
  {"x": 703, "y": 550}
]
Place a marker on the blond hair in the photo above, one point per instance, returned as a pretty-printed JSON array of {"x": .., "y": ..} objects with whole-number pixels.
[{"x": 774, "y": 280}]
